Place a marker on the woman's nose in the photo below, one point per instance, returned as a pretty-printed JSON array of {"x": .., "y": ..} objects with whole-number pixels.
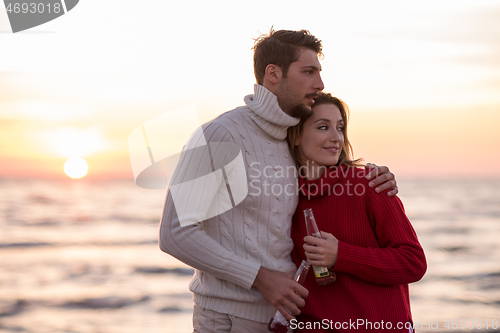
[{"x": 335, "y": 135}]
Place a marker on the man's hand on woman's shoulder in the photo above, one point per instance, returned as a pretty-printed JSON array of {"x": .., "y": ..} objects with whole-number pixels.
[{"x": 382, "y": 178}]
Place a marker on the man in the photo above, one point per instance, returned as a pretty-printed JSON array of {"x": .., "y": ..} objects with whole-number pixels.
[{"x": 242, "y": 255}]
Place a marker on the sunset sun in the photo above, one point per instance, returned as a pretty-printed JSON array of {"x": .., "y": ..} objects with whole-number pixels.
[{"x": 76, "y": 167}]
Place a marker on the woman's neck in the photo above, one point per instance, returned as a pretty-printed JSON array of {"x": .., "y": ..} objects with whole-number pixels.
[{"x": 311, "y": 170}]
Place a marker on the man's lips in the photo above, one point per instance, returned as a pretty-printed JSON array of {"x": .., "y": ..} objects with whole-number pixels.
[{"x": 312, "y": 97}]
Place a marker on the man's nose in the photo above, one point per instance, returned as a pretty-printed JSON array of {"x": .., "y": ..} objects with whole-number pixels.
[{"x": 319, "y": 83}]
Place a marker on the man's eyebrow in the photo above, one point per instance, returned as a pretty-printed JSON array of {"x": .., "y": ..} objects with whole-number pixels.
[{"x": 313, "y": 67}]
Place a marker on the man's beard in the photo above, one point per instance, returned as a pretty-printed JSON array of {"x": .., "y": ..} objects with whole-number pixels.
[
  {"x": 287, "y": 98},
  {"x": 300, "y": 111}
]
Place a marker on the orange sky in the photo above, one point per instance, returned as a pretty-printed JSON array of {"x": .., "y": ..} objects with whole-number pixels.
[
  {"x": 421, "y": 81},
  {"x": 431, "y": 142}
]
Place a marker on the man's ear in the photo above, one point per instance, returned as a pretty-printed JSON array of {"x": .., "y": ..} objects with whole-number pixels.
[{"x": 273, "y": 74}]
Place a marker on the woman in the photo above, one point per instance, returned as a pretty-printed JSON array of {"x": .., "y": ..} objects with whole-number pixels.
[{"x": 367, "y": 239}]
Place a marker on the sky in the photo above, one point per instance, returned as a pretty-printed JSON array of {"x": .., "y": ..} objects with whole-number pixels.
[{"x": 422, "y": 79}]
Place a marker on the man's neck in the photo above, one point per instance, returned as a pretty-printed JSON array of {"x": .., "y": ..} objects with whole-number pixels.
[{"x": 274, "y": 90}]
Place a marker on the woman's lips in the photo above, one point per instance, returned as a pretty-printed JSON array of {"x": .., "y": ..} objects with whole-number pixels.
[{"x": 332, "y": 149}]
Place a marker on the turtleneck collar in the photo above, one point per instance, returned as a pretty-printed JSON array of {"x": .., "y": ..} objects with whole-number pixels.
[
  {"x": 267, "y": 114},
  {"x": 322, "y": 185}
]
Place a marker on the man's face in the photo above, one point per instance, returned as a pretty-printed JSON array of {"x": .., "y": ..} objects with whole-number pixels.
[{"x": 298, "y": 90}]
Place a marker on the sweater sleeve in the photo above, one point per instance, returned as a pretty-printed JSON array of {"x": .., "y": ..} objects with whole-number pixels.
[
  {"x": 190, "y": 243},
  {"x": 400, "y": 258}
]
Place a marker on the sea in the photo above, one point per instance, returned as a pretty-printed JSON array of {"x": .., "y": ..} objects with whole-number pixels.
[{"x": 82, "y": 256}]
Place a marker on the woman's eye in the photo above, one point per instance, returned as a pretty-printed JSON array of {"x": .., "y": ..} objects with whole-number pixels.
[
  {"x": 324, "y": 127},
  {"x": 340, "y": 129}
]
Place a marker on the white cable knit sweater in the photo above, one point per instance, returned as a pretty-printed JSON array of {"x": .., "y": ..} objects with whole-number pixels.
[{"x": 228, "y": 250}]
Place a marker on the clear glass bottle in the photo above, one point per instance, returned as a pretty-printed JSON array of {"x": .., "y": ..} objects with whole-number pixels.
[
  {"x": 278, "y": 323},
  {"x": 323, "y": 275}
]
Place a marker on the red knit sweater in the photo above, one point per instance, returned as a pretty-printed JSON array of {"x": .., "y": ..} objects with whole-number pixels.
[{"x": 379, "y": 254}]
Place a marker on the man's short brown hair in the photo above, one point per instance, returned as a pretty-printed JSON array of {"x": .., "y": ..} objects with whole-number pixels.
[{"x": 281, "y": 48}]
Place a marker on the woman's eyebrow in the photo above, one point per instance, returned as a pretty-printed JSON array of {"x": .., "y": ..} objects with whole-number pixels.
[{"x": 327, "y": 120}]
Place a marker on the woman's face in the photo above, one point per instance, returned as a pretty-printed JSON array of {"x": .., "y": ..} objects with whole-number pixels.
[{"x": 322, "y": 137}]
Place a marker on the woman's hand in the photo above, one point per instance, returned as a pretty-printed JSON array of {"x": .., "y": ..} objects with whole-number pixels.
[{"x": 322, "y": 252}]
